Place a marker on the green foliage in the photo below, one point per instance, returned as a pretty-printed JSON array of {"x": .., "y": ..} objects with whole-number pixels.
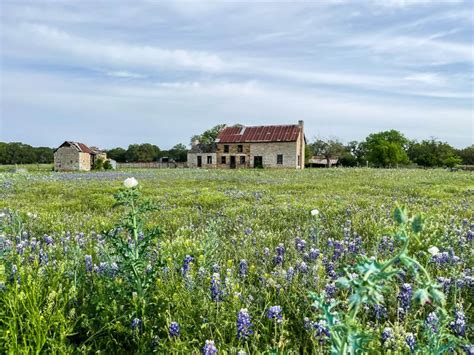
[
  {"x": 467, "y": 155},
  {"x": 118, "y": 154},
  {"x": 208, "y": 138},
  {"x": 367, "y": 282},
  {"x": 142, "y": 153},
  {"x": 386, "y": 149},
  {"x": 19, "y": 153},
  {"x": 433, "y": 153},
  {"x": 219, "y": 219},
  {"x": 108, "y": 165},
  {"x": 98, "y": 164}
]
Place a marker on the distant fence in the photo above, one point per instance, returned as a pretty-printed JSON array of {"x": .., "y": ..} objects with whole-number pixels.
[{"x": 151, "y": 165}]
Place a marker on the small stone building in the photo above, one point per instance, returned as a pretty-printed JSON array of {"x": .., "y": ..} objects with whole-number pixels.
[
  {"x": 71, "y": 156},
  {"x": 236, "y": 147}
]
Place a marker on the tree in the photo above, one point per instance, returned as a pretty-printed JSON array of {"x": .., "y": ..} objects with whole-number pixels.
[
  {"x": 118, "y": 154},
  {"x": 431, "y": 153},
  {"x": 142, "y": 153},
  {"x": 179, "y": 153},
  {"x": 208, "y": 138},
  {"x": 467, "y": 155},
  {"x": 329, "y": 149},
  {"x": 386, "y": 149}
]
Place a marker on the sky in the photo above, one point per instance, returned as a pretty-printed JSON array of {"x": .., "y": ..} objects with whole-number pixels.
[{"x": 114, "y": 73}]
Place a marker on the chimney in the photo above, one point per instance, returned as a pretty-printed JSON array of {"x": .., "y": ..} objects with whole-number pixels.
[{"x": 302, "y": 144}]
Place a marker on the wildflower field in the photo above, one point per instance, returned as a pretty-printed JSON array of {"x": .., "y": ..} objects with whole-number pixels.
[{"x": 192, "y": 261}]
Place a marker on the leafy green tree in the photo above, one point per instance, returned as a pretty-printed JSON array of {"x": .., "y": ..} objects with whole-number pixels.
[
  {"x": 208, "y": 138},
  {"x": 179, "y": 153},
  {"x": 431, "y": 153},
  {"x": 142, "y": 153},
  {"x": 467, "y": 155},
  {"x": 386, "y": 149},
  {"x": 118, "y": 154},
  {"x": 98, "y": 164}
]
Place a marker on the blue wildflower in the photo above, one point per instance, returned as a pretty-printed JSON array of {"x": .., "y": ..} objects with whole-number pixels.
[
  {"x": 244, "y": 324},
  {"x": 243, "y": 268},
  {"x": 431, "y": 322},
  {"x": 174, "y": 329},
  {"x": 88, "y": 262},
  {"x": 136, "y": 323},
  {"x": 387, "y": 334},
  {"x": 404, "y": 297},
  {"x": 458, "y": 326},
  {"x": 411, "y": 342},
  {"x": 187, "y": 260},
  {"x": 209, "y": 348},
  {"x": 216, "y": 291},
  {"x": 274, "y": 313}
]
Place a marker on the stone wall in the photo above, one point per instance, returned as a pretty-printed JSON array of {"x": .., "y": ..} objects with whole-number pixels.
[
  {"x": 233, "y": 151},
  {"x": 193, "y": 160},
  {"x": 68, "y": 158},
  {"x": 269, "y": 152}
]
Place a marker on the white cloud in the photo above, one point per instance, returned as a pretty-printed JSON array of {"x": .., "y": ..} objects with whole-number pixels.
[{"x": 126, "y": 74}]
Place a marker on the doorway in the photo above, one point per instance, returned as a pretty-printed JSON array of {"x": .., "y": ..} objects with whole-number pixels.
[
  {"x": 232, "y": 161},
  {"x": 257, "y": 162},
  {"x": 199, "y": 162}
]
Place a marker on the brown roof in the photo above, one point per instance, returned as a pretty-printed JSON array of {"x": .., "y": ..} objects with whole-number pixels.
[
  {"x": 285, "y": 133},
  {"x": 80, "y": 147}
]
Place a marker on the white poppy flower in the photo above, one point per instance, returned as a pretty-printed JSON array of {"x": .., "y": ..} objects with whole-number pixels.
[
  {"x": 130, "y": 182},
  {"x": 314, "y": 212},
  {"x": 433, "y": 251}
]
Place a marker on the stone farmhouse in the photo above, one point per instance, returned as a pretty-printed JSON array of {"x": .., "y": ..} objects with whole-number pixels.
[
  {"x": 71, "y": 156},
  {"x": 238, "y": 147}
]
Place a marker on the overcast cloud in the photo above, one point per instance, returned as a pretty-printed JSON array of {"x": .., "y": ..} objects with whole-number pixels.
[{"x": 112, "y": 73}]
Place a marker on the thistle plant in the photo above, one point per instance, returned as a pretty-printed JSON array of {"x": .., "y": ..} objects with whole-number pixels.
[
  {"x": 130, "y": 240},
  {"x": 368, "y": 280}
]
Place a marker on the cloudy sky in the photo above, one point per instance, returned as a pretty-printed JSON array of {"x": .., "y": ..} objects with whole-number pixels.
[{"x": 112, "y": 73}]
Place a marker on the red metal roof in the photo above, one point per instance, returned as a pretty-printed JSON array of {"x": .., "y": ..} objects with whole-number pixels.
[
  {"x": 81, "y": 147},
  {"x": 287, "y": 133}
]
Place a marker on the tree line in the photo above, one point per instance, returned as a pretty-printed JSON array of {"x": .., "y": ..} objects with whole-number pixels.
[
  {"x": 382, "y": 149},
  {"x": 391, "y": 149}
]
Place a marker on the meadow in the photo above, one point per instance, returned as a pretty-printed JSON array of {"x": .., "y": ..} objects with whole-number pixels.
[{"x": 261, "y": 261}]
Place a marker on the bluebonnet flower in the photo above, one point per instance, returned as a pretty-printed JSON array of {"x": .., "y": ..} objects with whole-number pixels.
[
  {"x": 290, "y": 273},
  {"x": 216, "y": 268},
  {"x": 300, "y": 244},
  {"x": 266, "y": 251},
  {"x": 445, "y": 283},
  {"x": 243, "y": 268},
  {"x": 280, "y": 250},
  {"x": 48, "y": 239},
  {"x": 174, "y": 329},
  {"x": 248, "y": 231},
  {"x": 338, "y": 250},
  {"x": 88, "y": 262},
  {"x": 404, "y": 297},
  {"x": 321, "y": 330},
  {"x": 244, "y": 324},
  {"x": 380, "y": 312},
  {"x": 187, "y": 260},
  {"x": 216, "y": 291},
  {"x": 330, "y": 290},
  {"x": 302, "y": 267},
  {"x": 329, "y": 268},
  {"x": 43, "y": 257},
  {"x": 431, "y": 322},
  {"x": 387, "y": 334},
  {"x": 136, "y": 323},
  {"x": 274, "y": 313},
  {"x": 458, "y": 326},
  {"x": 278, "y": 260},
  {"x": 411, "y": 342},
  {"x": 209, "y": 348}
]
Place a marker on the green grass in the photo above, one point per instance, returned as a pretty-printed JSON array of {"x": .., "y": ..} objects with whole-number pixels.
[{"x": 205, "y": 214}]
